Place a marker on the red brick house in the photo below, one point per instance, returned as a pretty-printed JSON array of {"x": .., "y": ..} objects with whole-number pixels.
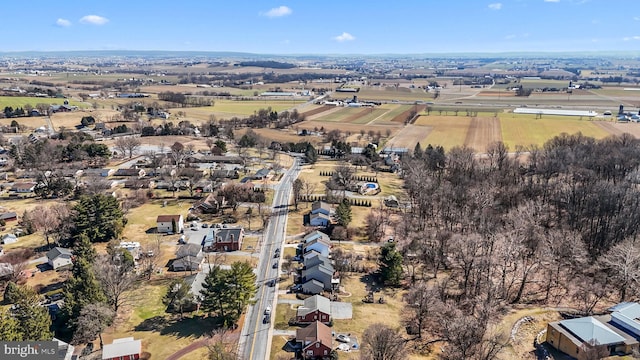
[
  {"x": 315, "y": 308},
  {"x": 122, "y": 349},
  {"x": 225, "y": 239},
  {"x": 315, "y": 341}
]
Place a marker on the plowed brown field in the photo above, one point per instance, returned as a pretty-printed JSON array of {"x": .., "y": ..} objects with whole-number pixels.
[{"x": 482, "y": 132}]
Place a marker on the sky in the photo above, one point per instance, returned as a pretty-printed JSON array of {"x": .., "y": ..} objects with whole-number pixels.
[{"x": 322, "y": 27}]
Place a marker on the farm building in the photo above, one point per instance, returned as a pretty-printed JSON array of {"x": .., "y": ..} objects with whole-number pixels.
[
  {"x": 165, "y": 223},
  {"x": 555, "y": 112},
  {"x": 604, "y": 335}
]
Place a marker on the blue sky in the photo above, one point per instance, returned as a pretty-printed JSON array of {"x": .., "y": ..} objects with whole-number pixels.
[{"x": 322, "y": 27}]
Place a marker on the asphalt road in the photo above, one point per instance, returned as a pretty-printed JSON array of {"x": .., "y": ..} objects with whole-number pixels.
[{"x": 255, "y": 341}]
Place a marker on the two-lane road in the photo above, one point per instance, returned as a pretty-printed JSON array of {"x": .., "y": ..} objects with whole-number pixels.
[{"x": 255, "y": 342}]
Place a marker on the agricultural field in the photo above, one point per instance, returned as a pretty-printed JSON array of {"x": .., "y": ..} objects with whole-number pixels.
[
  {"x": 21, "y": 101},
  {"x": 527, "y": 130},
  {"x": 387, "y": 94},
  {"x": 446, "y": 131},
  {"x": 226, "y": 109}
]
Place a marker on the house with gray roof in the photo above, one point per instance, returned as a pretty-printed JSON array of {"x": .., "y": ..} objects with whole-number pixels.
[
  {"x": 319, "y": 220},
  {"x": 320, "y": 272},
  {"x": 312, "y": 286},
  {"x": 614, "y": 333},
  {"x": 188, "y": 258},
  {"x": 59, "y": 257},
  {"x": 321, "y": 207},
  {"x": 315, "y": 308},
  {"x": 224, "y": 239},
  {"x": 316, "y": 245}
]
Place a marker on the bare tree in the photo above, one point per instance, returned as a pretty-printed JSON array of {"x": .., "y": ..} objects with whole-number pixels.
[
  {"x": 307, "y": 189},
  {"x": 46, "y": 220},
  {"x": 116, "y": 277},
  {"x": 150, "y": 257},
  {"x": 421, "y": 301},
  {"x": 623, "y": 265},
  {"x": 94, "y": 319},
  {"x": 127, "y": 144},
  {"x": 178, "y": 153},
  {"x": 381, "y": 342},
  {"x": 223, "y": 345}
]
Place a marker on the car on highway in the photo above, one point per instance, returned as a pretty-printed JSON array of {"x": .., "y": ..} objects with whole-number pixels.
[
  {"x": 267, "y": 311},
  {"x": 271, "y": 283},
  {"x": 266, "y": 319},
  {"x": 276, "y": 255},
  {"x": 343, "y": 338},
  {"x": 275, "y": 265}
]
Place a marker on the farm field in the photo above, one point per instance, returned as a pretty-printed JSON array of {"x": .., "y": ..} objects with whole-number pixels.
[
  {"x": 446, "y": 131},
  {"x": 387, "y": 94},
  {"x": 21, "y": 101},
  {"x": 527, "y": 130},
  {"x": 225, "y": 109}
]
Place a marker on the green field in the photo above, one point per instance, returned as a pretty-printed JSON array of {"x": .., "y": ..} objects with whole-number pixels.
[
  {"x": 226, "y": 109},
  {"x": 21, "y": 101},
  {"x": 340, "y": 115},
  {"x": 526, "y": 130},
  {"x": 370, "y": 116}
]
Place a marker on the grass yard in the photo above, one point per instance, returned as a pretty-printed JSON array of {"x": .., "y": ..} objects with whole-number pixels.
[
  {"x": 277, "y": 343},
  {"x": 525, "y": 130},
  {"x": 146, "y": 320},
  {"x": 143, "y": 218},
  {"x": 447, "y": 131}
]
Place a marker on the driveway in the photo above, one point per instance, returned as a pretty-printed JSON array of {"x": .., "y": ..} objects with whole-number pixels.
[{"x": 341, "y": 310}]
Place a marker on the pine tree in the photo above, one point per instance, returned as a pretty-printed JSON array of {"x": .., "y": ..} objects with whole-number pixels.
[
  {"x": 83, "y": 249},
  {"x": 81, "y": 289},
  {"x": 241, "y": 281},
  {"x": 98, "y": 216},
  {"x": 215, "y": 293},
  {"x": 390, "y": 264},
  {"x": 9, "y": 327},
  {"x": 343, "y": 212},
  {"x": 34, "y": 322}
]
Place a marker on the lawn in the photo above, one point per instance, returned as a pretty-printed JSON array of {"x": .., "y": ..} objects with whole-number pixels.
[
  {"x": 146, "y": 319},
  {"x": 525, "y": 130},
  {"x": 277, "y": 344},
  {"x": 143, "y": 218},
  {"x": 447, "y": 131}
]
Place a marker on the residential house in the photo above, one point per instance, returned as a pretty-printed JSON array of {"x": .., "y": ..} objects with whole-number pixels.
[
  {"x": 139, "y": 173},
  {"x": 315, "y": 341},
  {"x": 6, "y": 270},
  {"x": 188, "y": 258},
  {"x": 321, "y": 207},
  {"x": 391, "y": 201},
  {"x": 225, "y": 239},
  {"x": 170, "y": 223},
  {"x": 221, "y": 159},
  {"x": 610, "y": 334},
  {"x": 9, "y": 216},
  {"x": 9, "y": 239},
  {"x": 313, "y": 258},
  {"x": 315, "y": 308},
  {"x": 59, "y": 257},
  {"x": 62, "y": 108},
  {"x": 23, "y": 188},
  {"x": 99, "y": 172},
  {"x": 312, "y": 286},
  {"x": 320, "y": 272},
  {"x": 319, "y": 220},
  {"x": 315, "y": 235},
  {"x": 225, "y": 174},
  {"x": 318, "y": 245},
  {"x": 261, "y": 174},
  {"x": 122, "y": 349},
  {"x": 133, "y": 247}
]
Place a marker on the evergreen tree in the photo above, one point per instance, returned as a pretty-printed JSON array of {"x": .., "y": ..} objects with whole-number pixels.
[
  {"x": 9, "y": 327},
  {"x": 343, "y": 212},
  {"x": 83, "y": 249},
  {"x": 34, "y": 321},
  {"x": 11, "y": 293},
  {"x": 310, "y": 154},
  {"x": 417, "y": 151},
  {"x": 81, "y": 289},
  {"x": 99, "y": 216},
  {"x": 241, "y": 281},
  {"x": 390, "y": 264},
  {"x": 215, "y": 293},
  {"x": 178, "y": 296}
]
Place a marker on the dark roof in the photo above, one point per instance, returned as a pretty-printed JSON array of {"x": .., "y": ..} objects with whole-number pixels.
[
  {"x": 320, "y": 205},
  {"x": 224, "y": 234},
  {"x": 185, "y": 250},
  {"x": 8, "y": 215},
  {"x": 57, "y": 252},
  {"x": 127, "y": 172},
  {"x": 262, "y": 172}
]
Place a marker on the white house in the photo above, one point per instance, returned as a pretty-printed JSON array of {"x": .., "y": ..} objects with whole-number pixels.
[
  {"x": 165, "y": 223},
  {"x": 23, "y": 187},
  {"x": 59, "y": 257},
  {"x": 9, "y": 239},
  {"x": 133, "y": 247}
]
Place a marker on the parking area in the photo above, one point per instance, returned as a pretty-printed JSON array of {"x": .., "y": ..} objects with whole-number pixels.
[{"x": 346, "y": 342}]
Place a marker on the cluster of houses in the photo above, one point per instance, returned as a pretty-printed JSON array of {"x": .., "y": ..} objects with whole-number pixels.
[{"x": 317, "y": 274}]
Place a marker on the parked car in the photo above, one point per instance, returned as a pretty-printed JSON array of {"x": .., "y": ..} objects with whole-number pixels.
[
  {"x": 343, "y": 338},
  {"x": 205, "y": 225}
]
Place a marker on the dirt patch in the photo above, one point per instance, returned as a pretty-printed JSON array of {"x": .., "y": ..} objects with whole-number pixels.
[
  {"x": 409, "y": 136},
  {"x": 400, "y": 118},
  {"x": 316, "y": 111},
  {"x": 616, "y": 128},
  {"x": 331, "y": 110},
  {"x": 482, "y": 132}
]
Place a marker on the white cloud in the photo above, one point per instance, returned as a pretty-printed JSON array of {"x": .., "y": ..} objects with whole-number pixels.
[
  {"x": 278, "y": 12},
  {"x": 94, "y": 20},
  {"x": 63, "y": 22},
  {"x": 345, "y": 36},
  {"x": 495, "y": 6},
  {"x": 631, "y": 38}
]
